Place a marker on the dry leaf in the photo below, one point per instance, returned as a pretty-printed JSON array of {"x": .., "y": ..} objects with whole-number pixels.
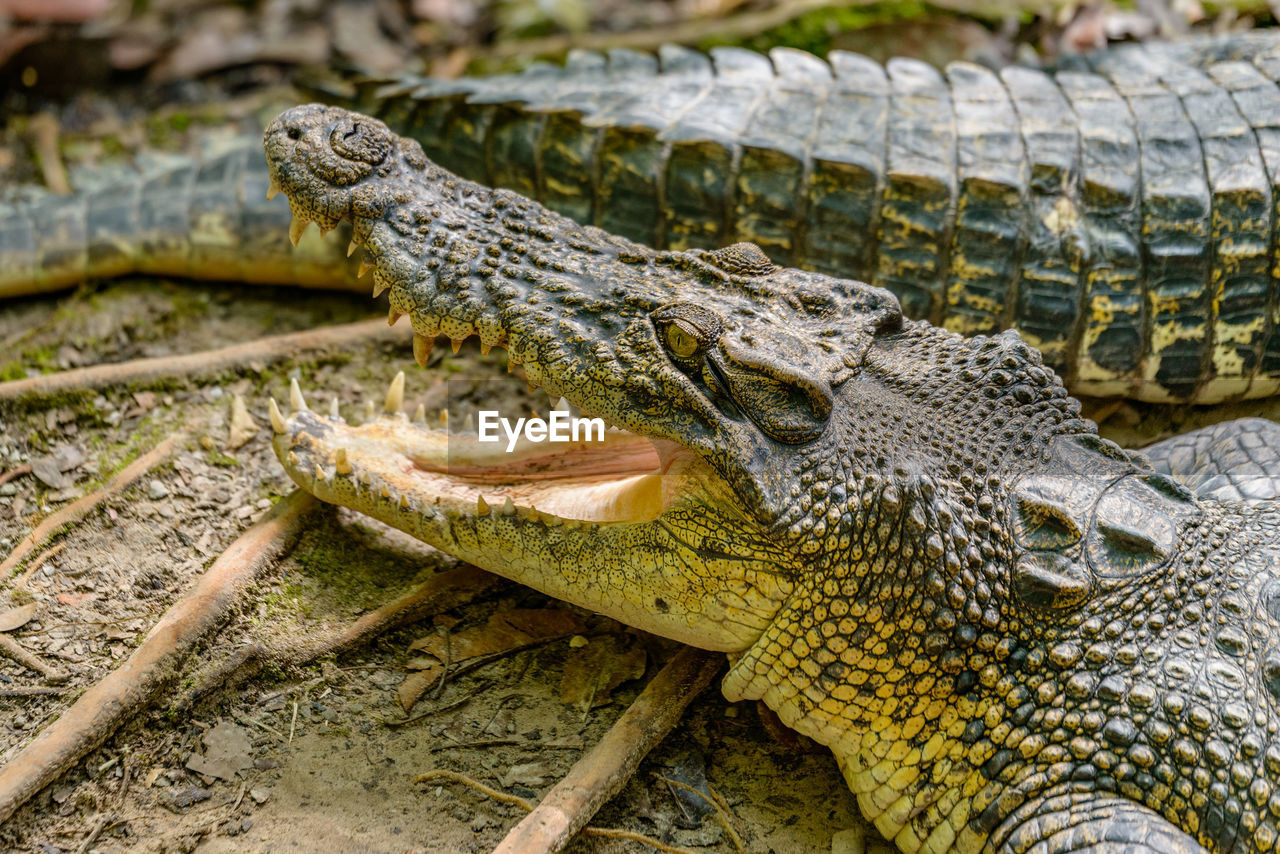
[
  {"x": 593, "y": 671},
  {"x": 504, "y": 632},
  {"x": 16, "y": 618}
]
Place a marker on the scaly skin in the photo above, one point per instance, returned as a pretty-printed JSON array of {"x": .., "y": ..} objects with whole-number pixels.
[
  {"x": 1012, "y": 634},
  {"x": 1122, "y": 210}
]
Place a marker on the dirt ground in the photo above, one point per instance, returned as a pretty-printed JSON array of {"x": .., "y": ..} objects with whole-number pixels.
[
  {"x": 323, "y": 757},
  {"x": 316, "y": 757},
  {"x": 320, "y": 757}
]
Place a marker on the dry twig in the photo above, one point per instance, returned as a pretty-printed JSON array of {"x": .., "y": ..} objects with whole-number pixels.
[
  {"x": 43, "y": 129},
  {"x": 296, "y": 345},
  {"x": 527, "y": 806},
  {"x": 35, "y": 565},
  {"x": 441, "y": 592},
  {"x": 723, "y": 814},
  {"x": 20, "y": 654},
  {"x": 16, "y": 471},
  {"x": 135, "y": 683},
  {"x": 601, "y": 773},
  {"x": 78, "y": 509}
]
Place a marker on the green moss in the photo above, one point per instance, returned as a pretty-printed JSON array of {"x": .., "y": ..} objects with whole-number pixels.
[
  {"x": 218, "y": 458},
  {"x": 814, "y": 31}
]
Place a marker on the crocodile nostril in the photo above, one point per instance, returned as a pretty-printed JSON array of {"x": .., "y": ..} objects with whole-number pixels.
[
  {"x": 295, "y": 133},
  {"x": 355, "y": 131}
]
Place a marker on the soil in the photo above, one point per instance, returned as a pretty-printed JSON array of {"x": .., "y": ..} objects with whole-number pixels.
[
  {"x": 319, "y": 757},
  {"x": 322, "y": 757}
]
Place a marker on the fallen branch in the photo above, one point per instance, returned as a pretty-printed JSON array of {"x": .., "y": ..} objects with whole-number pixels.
[
  {"x": 34, "y": 566},
  {"x": 43, "y": 130},
  {"x": 16, "y": 471},
  {"x": 527, "y": 806},
  {"x": 124, "y": 692},
  {"x": 30, "y": 691},
  {"x": 29, "y": 660},
  {"x": 295, "y": 345},
  {"x": 723, "y": 814},
  {"x": 601, "y": 773},
  {"x": 441, "y": 592},
  {"x": 78, "y": 509}
]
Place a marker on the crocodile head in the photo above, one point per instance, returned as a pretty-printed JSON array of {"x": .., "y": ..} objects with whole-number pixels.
[
  {"x": 725, "y": 373},
  {"x": 779, "y": 426},
  {"x": 768, "y": 415}
]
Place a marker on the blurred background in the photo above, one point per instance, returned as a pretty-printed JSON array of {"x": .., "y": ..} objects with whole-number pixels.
[
  {"x": 166, "y": 50},
  {"x": 92, "y": 78}
]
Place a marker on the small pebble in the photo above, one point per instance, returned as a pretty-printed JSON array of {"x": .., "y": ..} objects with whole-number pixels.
[
  {"x": 259, "y": 795},
  {"x": 157, "y": 490}
]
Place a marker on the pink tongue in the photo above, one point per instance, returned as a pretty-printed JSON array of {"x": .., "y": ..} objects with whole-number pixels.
[{"x": 583, "y": 463}]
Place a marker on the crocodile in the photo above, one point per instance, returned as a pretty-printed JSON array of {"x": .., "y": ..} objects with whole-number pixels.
[
  {"x": 1121, "y": 210},
  {"x": 1012, "y": 634}
]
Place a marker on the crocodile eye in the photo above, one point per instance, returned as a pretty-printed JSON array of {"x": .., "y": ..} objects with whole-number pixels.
[{"x": 682, "y": 339}]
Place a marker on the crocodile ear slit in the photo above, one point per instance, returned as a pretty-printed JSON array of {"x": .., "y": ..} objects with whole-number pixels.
[{"x": 1050, "y": 581}]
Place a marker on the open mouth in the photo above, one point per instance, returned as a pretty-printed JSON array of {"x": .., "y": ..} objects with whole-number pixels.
[{"x": 605, "y": 476}]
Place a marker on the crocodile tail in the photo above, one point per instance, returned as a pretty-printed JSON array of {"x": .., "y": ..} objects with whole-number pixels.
[
  {"x": 1121, "y": 210},
  {"x": 196, "y": 217}
]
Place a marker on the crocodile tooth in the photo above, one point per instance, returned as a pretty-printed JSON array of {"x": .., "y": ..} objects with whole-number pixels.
[
  {"x": 296, "y": 401},
  {"x": 341, "y": 464},
  {"x": 385, "y": 492},
  {"x": 369, "y": 410},
  {"x": 552, "y": 520},
  {"x": 380, "y": 283},
  {"x": 443, "y": 418},
  {"x": 296, "y": 226},
  {"x": 420, "y": 414},
  {"x": 482, "y": 507},
  {"x": 404, "y": 500},
  {"x": 456, "y": 343},
  {"x": 319, "y": 472},
  {"x": 277, "y": 419},
  {"x": 333, "y": 409},
  {"x": 352, "y": 247},
  {"x": 294, "y": 459},
  {"x": 562, "y": 405},
  {"x": 395, "y": 394},
  {"x": 422, "y": 349},
  {"x": 272, "y": 191},
  {"x": 469, "y": 426},
  {"x": 393, "y": 316},
  {"x": 324, "y": 229},
  {"x": 365, "y": 267},
  {"x": 508, "y": 507}
]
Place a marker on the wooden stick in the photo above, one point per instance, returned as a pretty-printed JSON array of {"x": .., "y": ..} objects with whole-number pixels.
[
  {"x": 126, "y": 691},
  {"x": 34, "y": 566},
  {"x": 43, "y": 128},
  {"x": 16, "y": 471},
  {"x": 78, "y": 509},
  {"x": 441, "y": 592},
  {"x": 29, "y": 660},
  {"x": 295, "y": 345},
  {"x": 601, "y": 773},
  {"x": 516, "y": 800}
]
